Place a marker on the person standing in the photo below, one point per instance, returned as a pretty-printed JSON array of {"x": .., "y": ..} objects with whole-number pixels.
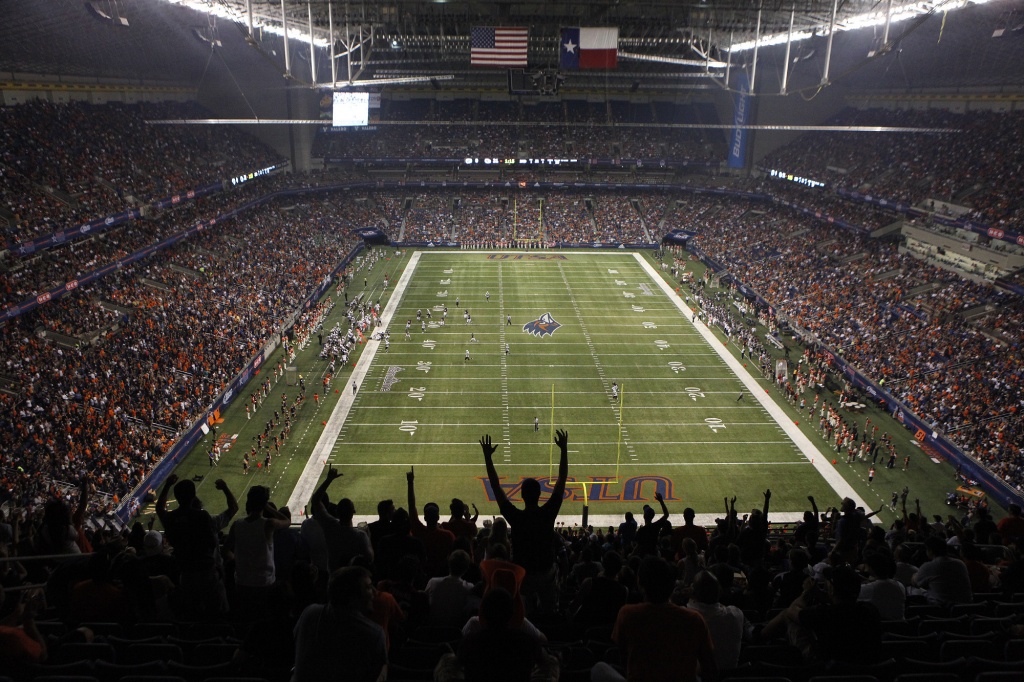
[
  {"x": 508, "y": 320},
  {"x": 658, "y": 640},
  {"x": 533, "y": 527},
  {"x": 871, "y": 475},
  {"x": 354, "y": 388},
  {"x": 338, "y": 640},
  {"x": 536, "y": 424},
  {"x": 252, "y": 539}
]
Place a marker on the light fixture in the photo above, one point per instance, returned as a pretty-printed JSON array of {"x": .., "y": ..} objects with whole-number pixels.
[{"x": 863, "y": 20}]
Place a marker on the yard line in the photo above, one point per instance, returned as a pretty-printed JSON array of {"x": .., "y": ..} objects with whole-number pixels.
[{"x": 820, "y": 462}]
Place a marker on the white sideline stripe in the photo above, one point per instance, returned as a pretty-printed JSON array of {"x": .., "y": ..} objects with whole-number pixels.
[
  {"x": 310, "y": 475},
  {"x": 535, "y": 465},
  {"x": 803, "y": 443},
  {"x": 596, "y": 442}
]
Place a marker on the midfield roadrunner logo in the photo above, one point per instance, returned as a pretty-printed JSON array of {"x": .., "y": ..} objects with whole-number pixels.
[{"x": 544, "y": 326}]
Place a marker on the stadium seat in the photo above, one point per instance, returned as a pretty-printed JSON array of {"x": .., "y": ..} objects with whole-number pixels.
[
  {"x": 201, "y": 673},
  {"x": 928, "y": 677},
  {"x": 911, "y": 665},
  {"x": 112, "y": 672},
  {"x": 212, "y": 654},
  {"x": 148, "y": 630},
  {"x": 197, "y": 631},
  {"x": 145, "y": 652},
  {"x": 982, "y": 626},
  {"x": 900, "y": 627},
  {"x": 972, "y": 609},
  {"x": 919, "y": 649},
  {"x": 958, "y": 648},
  {"x": 82, "y": 651},
  {"x": 957, "y": 626},
  {"x": 976, "y": 664},
  {"x": 104, "y": 629},
  {"x": 1013, "y": 650},
  {"x": 1014, "y": 608},
  {"x": 998, "y": 676},
  {"x": 883, "y": 671},
  {"x": 75, "y": 668}
]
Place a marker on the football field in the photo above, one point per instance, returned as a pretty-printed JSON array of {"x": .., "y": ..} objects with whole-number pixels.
[{"x": 535, "y": 341}]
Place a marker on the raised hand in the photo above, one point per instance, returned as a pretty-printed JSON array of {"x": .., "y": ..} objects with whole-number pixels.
[
  {"x": 485, "y": 445},
  {"x": 767, "y": 495},
  {"x": 562, "y": 439},
  {"x": 333, "y": 473},
  {"x": 219, "y": 484},
  {"x": 658, "y": 496},
  {"x": 410, "y": 475}
]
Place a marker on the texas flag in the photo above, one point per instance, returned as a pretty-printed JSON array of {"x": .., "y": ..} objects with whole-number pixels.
[{"x": 588, "y": 48}]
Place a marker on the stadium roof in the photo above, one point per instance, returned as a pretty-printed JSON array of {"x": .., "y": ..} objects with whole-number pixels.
[{"x": 663, "y": 43}]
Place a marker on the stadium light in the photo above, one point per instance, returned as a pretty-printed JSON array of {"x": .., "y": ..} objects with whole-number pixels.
[
  {"x": 237, "y": 14},
  {"x": 858, "y": 21}
]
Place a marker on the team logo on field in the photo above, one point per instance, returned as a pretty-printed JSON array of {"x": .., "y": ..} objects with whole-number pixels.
[{"x": 545, "y": 325}]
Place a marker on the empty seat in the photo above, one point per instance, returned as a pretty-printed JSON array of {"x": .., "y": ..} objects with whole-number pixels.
[
  {"x": 112, "y": 672},
  {"x": 147, "y": 630},
  {"x": 955, "y": 626},
  {"x": 201, "y": 673},
  {"x": 212, "y": 654},
  {"x": 82, "y": 651},
  {"x": 146, "y": 652},
  {"x": 980, "y": 626},
  {"x": 1014, "y": 650},
  {"x": 959, "y": 648},
  {"x": 75, "y": 668},
  {"x": 928, "y": 677},
  {"x": 911, "y": 665}
]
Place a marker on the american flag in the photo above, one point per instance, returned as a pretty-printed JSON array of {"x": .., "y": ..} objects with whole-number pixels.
[{"x": 498, "y": 46}]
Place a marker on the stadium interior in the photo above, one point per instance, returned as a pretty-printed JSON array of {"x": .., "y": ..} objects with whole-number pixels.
[{"x": 180, "y": 210}]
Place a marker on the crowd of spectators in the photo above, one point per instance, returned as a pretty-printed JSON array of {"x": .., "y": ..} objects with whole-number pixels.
[
  {"x": 421, "y": 594},
  {"x": 189, "y": 318},
  {"x": 975, "y": 163},
  {"x": 893, "y": 316},
  {"x": 898, "y": 319},
  {"x": 65, "y": 164},
  {"x": 509, "y": 130}
]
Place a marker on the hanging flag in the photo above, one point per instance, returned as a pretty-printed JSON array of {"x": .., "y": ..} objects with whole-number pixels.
[
  {"x": 589, "y": 48},
  {"x": 498, "y": 46}
]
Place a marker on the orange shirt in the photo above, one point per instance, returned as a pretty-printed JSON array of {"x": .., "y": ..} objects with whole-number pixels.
[{"x": 662, "y": 642}]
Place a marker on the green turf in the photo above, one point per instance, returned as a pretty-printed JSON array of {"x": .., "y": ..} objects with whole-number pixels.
[{"x": 616, "y": 325}]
